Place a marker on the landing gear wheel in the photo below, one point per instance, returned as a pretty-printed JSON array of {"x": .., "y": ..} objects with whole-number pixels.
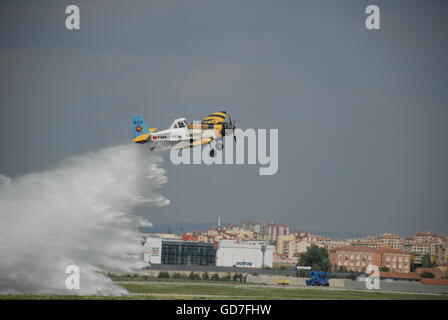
[
  {"x": 219, "y": 146},
  {"x": 212, "y": 153}
]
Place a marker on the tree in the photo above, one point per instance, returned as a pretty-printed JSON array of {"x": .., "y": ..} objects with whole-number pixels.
[
  {"x": 226, "y": 277},
  {"x": 342, "y": 269},
  {"x": 163, "y": 275},
  {"x": 193, "y": 276},
  {"x": 316, "y": 258},
  {"x": 426, "y": 274},
  {"x": 384, "y": 269},
  {"x": 205, "y": 276},
  {"x": 426, "y": 261}
]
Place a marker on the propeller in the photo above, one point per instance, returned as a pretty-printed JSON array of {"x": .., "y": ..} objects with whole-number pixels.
[{"x": 232, "y": 125}]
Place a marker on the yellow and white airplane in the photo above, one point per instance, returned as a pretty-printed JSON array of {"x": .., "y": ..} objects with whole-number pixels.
[{"x": 186, "y": 134}]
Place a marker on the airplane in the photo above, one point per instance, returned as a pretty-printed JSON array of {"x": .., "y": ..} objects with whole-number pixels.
[{"x": 185, "y": 133}]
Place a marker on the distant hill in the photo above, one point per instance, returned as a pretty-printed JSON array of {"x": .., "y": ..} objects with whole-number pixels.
[
  {"x": 339, "y": 235},
  {"x": 179, "y": 228}
]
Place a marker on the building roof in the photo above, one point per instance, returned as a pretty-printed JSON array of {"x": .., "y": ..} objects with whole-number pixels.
[
  {"x": 354, "y": 249},
  {"x": 390, "y": 250},
  {"x": 368, "y": 249},
  {"x": 427, "y": 234},
  {"x": 442, "y": 282}
]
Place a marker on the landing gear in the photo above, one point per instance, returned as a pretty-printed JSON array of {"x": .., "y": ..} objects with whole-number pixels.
[
  {"x": 213, "y": 151},
  {"x": 219, "y": 146}
]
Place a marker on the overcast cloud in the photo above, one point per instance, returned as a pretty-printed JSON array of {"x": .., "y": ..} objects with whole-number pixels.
[{"x": 362, "y": 115}]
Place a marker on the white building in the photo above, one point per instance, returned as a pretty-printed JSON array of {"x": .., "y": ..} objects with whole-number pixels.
[
  {"x": 153, "y": 250},
  {"x": 247, "y": 254}
]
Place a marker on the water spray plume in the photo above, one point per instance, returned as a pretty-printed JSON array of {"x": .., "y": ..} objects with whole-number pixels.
[{"x": 78, "y": 213}]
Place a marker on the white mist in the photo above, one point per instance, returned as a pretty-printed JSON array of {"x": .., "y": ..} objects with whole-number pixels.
[{"x": 79, "y": 213}]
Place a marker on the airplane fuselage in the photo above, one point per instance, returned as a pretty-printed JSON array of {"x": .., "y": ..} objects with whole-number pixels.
[{"x": 174, "y": 135}]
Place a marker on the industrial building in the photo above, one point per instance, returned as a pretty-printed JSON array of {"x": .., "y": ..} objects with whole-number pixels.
[
  {"x": 178, "y": 252},
  {"x": 153, "y": 250},
  {"x": 226, "y": 253},
  {"x": 250, "y": 254}
]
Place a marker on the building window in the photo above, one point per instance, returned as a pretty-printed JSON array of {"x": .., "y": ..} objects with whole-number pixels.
[{"x": 188, "y": 253}]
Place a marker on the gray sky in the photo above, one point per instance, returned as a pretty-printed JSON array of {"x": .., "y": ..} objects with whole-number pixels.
[{"x": 361, "y": 114}]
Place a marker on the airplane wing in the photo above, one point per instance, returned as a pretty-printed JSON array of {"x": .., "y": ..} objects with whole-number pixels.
[{"x": 198, "y": 142}]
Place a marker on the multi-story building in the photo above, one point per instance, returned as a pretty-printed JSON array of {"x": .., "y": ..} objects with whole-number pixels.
[
  {"x": 294, "y": 244},
  {"x": 357, "y": 259},
  {"x": 366, "y": 243},
  {"x": 251, "y": 225},
  {"x": 425, "y": 243},
  {"x": 428, "y": 236},
  {"x": 214, "y": 234},
  {"x": 443, "y": 259},
  {"x": 301, "y": 234},
  {"x": 320, "y": 241},
  {"x": 285, "y": 245},
  {"x": 273, "y": 230},
  {"x": 338, "y": 243},
  {"x": 383, "y": 240},
  {"x": 390, "y": 240}
]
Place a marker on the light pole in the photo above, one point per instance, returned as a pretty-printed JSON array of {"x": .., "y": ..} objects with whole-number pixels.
[{"x": 263, "y": 250}]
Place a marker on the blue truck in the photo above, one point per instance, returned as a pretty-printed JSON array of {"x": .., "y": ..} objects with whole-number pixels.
[{"x": 318, "y": 278}]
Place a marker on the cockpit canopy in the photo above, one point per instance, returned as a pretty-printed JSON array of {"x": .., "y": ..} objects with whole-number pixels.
[{"x": 181, "y": 123}]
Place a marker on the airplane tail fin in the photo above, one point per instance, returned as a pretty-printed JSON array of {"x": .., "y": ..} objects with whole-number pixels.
[{"x": 140, "y": 130}]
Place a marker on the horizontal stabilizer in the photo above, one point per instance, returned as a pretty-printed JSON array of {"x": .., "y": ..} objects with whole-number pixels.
[{"x": 142, "y": 138}]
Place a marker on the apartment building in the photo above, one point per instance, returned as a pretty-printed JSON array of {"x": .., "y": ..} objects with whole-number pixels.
[
  {"x": 353, "y": 258},
  {"x": 272, "y": 230},
  {"x": 426, "y": 243},
  {"x": 382, "y": 240}
]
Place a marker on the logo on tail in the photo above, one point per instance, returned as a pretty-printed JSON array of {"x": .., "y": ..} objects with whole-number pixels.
[{"x": 141, "y": 132}]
